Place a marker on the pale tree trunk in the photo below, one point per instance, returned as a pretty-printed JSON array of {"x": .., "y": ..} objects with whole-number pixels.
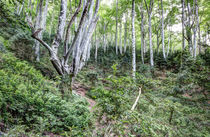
[
  {"x": 81, "y": 40},
  {"x": 195, "y": 28},
  {"x": 52, "y": 20},
  {"x": 189, "y": 27},
  {"x": 104, "y": 37},
  {"x": 125, "y": 33},
  {"x": 183, "y": 26},
  {"x": 142, "y": 32},
  {"x": 149, "y": 11},
  {"x": 133, "y": 41},
  {"x": 160, "y": 24},
  {"x": 116, "y": 34},
  {"x": 199, "y": 38},
  {"x": 120, "y": 37},
  {"x": 38, "y": 25},
  {"x": 163, "y": 37},
  {"x": 96, "y": 47},
  {"x": 75, "y": 24},
  {"x": 169, "y": 40}
]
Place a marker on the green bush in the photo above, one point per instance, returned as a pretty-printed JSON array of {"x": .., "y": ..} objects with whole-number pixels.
[{"x": 29, "y": 99}]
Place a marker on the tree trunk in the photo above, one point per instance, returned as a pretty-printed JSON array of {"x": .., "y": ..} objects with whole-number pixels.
[
  {"x": 195, "y": 28},
  {"x": 133, "y": 41},
  {"x": 116, "y": 34},
  {"x": 169, "y": 40},
  {"x": 121, "y": 37},
  {"x": 125, "y": 33},
  {"x": 52, "y": 20},
  {"x": 189, "y": 27},
  {"x": 162, "y": 34},
  {"x": 104, "y": 37},
  {"x": 142, "y": 33},
  {"x": 96, "y": 47},
  {"x": 38, "y": 25},
  {"x": 183, "y": 28}
]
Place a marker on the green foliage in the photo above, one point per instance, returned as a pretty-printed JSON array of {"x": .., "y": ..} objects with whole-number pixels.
[{"x": 29, "y": 99}]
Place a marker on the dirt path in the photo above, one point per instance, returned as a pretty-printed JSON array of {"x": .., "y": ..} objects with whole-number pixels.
[
  {"x": 102, "y": 123},
  {"x": 82, "y": 90}
]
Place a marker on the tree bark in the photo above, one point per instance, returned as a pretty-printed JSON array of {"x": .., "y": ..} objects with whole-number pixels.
[
  {"x": 149, "y": 11},
  {"x": 162, "y": 34},
  {"x": 142, "y": 32},
  {"x": 38, "y": 25},
  {"x": 116, "y": 34},
  {"x": 125, "y": 33},
  {"x": 195, "y": 28},
  {"x": 121, "y": 37},
  {"x": 133, "y": 41},
  {"x": 183, "y": 26},
  {"x": 189, "y": 27}
]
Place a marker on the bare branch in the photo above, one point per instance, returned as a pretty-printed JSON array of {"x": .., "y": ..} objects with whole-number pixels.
[
  {"x": 69, "y": 27},
  {"x": 137, "y": 99},
  {"x": 35, "y": 34}
]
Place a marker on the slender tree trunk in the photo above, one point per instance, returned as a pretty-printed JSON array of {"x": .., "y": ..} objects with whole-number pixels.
[
  {"x": 149, "y": 11},
  {"x": 199, "y": 38},
  {"x": 38, "y": 25},
  {"x": 104, "y": 37},
  {"x": 183, "y": 26},
  {"x": 189, "y": 27},
  {"x": 96, "y": 47},
  {"x": 125, "y": 33},
  {"x": 163, "y": 37},
  {"x": 133, "y": 41},
  {"x": 142, "y": 32},
  {"x": 169, "y": 40},
  {"x": 195, "y": 28},
  {"x": 52, "y": 20},
  {"x": 120, "y": 37},
  {"x": 150, "y": 42},
  {"x": 116, "y": 34}
]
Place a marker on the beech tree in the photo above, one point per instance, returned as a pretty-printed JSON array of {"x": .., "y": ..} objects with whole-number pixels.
[
  {"x": 162, "y": 33},
  {"x": 133, "y": 41},
  {"x": 116, "y": 33},
  {"x": 80, "y": 42},
  {"x": 149, "y": 12}
]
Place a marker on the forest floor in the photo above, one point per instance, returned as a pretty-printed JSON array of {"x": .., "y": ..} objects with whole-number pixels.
[
  {"x": 171, "y": 103},
  {"x": 81, "y": 90}
]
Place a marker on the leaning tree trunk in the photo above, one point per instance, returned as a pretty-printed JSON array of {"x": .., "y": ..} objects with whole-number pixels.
[
  {"x": 80, "y": 42},
  {"x": 133, "y": 41}
]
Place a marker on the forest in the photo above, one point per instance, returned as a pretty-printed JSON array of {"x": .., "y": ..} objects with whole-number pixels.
[{"x": 104, "y": 68}]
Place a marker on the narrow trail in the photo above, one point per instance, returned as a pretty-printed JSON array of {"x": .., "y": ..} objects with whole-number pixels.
[
  {"x": 82, "y": 91},
  {"x": 101, "y": 124}
]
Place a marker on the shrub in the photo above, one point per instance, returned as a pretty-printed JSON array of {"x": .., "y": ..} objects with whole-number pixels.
[{"x": 29, "y": 99}]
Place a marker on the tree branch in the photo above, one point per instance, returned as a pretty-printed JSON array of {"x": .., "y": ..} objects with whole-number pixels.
[
  {"x": 69, "y": 27},
  {"x": 67, "y": 55},
  {"x": 137, "y": 99},
  {"x": 35, "y": 34}
]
